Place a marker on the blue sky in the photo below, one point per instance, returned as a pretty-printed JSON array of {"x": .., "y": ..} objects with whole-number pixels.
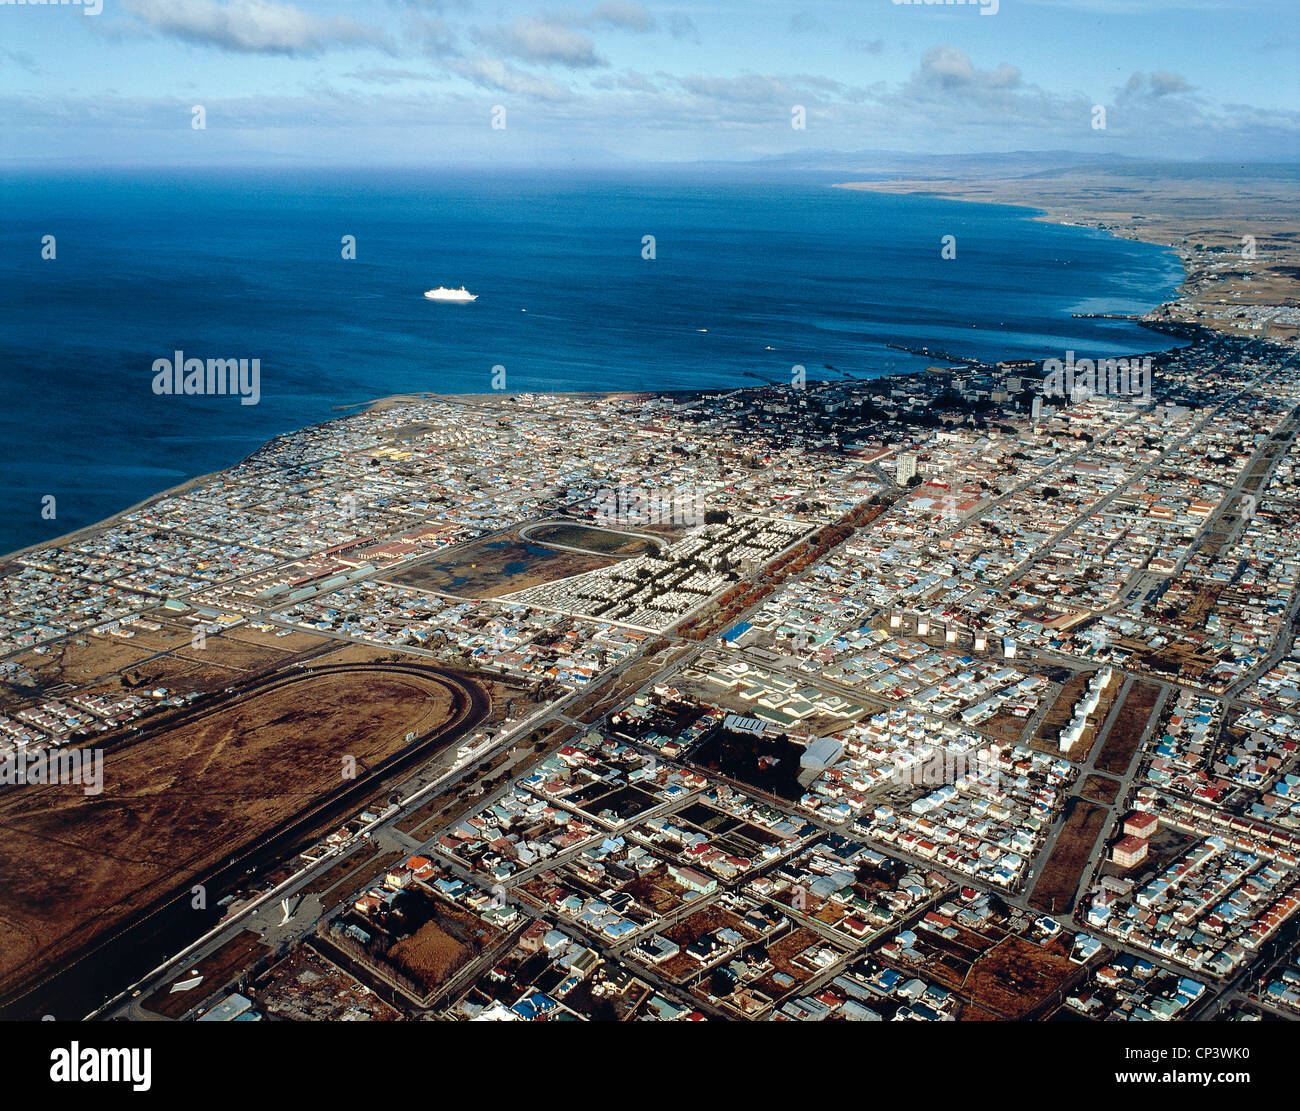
[{"x": 416, "y": 81}]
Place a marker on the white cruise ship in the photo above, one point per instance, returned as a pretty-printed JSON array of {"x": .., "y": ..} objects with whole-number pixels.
[{"x": 444, "y": 294}]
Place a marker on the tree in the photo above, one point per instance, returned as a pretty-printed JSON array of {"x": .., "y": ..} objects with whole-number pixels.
[{"x": 722, "y": 983}]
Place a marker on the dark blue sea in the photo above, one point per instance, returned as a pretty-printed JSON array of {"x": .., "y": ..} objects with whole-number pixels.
[{"x": 751, "y": 276}]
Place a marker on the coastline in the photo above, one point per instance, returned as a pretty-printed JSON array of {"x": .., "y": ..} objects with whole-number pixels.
[
  {"x": 1233, "y": 283},
  {"x": 1040, "y": 214},
  {"x": 344, "y": 409},
  {"x": 384, "y": 402}
]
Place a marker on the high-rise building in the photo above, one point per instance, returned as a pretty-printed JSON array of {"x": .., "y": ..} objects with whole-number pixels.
[{"x": 906, "y": 468}]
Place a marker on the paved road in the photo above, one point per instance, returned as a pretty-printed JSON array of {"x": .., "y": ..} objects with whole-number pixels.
[
  {"x": 445, "y": 783},
  {"x": 1015, "y": 899}
]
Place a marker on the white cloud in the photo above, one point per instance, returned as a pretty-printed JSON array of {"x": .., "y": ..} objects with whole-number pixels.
[
  {"x": 945, "y": 67},
  {"x": 492, "y": 73},
  {"x": 624, "y": 15},
  {"x": 749, "y": 89},
  {"x": 548, "y": 41},
  {"x": 251, "y": 26},
  {"x": 1162, "y": 84}
]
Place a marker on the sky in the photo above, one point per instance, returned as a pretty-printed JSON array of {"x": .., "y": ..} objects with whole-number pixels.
[{"x": 422, "y": 82}]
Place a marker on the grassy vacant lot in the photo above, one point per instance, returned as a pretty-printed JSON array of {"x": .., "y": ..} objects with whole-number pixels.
[
  {"x": 1055, "y": 889},
  {"x": 217, "y": 969},
  {"x": 600, "y": 540},
  {"x": 1100, "y": 789},
  {"x": 1016, "y": 976},
  {"x": 180, "y": 801},
  {"x": 430, "y": 955},
  {"x": 1122, "y": 740},
  {"x": 441, "y": 939}
]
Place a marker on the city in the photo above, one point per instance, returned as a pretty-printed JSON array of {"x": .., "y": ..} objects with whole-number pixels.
[
  {"x": 743, "y": 519},
  {"x": 1010, "y": 687}
]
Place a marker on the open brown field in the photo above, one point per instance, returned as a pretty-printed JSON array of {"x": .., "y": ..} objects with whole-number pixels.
[
  {"x": 429, "y": 956},
  {"x": 1003, "y": 726},
  {"x": 216, "y": 969},
  {"x": 180, "y": 800},
  {"x": 232, "y": 652},
  {"x": 176, "y": 675},
  {"x": 971, "y": 1013},
  {"x": 84, "y": 659},
  {"x": 1122, "y": 740},
  {"x": 1055, "y": 889},
  {"x": 173, "y": 633},
  {"x": 601, "y": 541},
  {"x": 100, "y": 649},
  {"x": 1017, "y": 976},
  {"x": 556, "y": 737},
  {"x": 1099, "y": 788},
  {"x": 294, "y": 640}
]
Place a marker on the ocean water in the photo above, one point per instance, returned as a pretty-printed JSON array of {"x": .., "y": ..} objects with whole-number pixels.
[{"x": 750, "y": 277}]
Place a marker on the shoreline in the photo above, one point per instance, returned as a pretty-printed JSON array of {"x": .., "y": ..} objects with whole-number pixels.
[
  {"x": 1245, "y": 285},
  {"x": 1040, "y": 214},
  {"x": 345, "y": 409},
  {"x": 342, "y": 412},
  {"x": 389, "y": 400}
]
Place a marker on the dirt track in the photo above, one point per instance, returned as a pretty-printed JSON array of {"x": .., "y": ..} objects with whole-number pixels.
[{"x": 179, "y": 802}]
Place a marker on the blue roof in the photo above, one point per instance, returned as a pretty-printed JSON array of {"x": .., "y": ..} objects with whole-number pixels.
[{"x": 534, "y": 1005}]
